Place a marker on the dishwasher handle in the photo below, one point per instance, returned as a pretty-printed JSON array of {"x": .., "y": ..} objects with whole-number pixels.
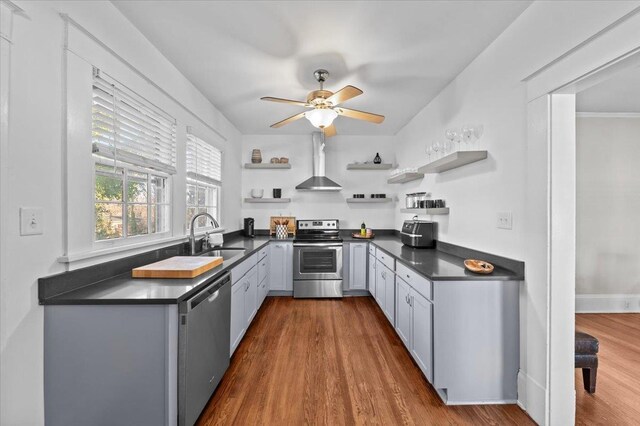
[{"x": 210, "y": 293}]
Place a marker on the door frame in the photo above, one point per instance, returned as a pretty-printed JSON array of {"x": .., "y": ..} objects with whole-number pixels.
[{"x": 551, "y": 175}]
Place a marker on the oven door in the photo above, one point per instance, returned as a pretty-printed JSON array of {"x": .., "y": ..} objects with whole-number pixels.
[{"x": 317, "y": 261}]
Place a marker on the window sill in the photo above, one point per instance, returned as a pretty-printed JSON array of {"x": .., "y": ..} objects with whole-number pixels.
[{"x": 150, "y": 244}]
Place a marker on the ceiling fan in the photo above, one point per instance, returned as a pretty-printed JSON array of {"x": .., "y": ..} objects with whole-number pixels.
[{"x": 325, "y": 109}]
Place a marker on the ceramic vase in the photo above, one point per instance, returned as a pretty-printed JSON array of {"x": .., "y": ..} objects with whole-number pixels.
[{"x": 256, "y": 156}]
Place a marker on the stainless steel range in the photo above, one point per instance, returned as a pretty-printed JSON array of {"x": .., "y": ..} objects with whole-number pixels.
[{"x": 317, "y": 259}]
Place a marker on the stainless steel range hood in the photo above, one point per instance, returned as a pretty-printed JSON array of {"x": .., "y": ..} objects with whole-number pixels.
[{"x": 318, "y": 182}]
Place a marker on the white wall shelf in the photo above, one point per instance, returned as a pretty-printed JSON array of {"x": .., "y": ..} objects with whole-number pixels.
[
  {"x": 440, "y": 210},
  {"x": 267, "y": 165},
  {"x": 369, "y": 166},
  {"x": 405, "y": 177},
  {"x": 369, "y": 200},
  {"x": 267, "y": 200},
  {"x": 452, "y": 161}
]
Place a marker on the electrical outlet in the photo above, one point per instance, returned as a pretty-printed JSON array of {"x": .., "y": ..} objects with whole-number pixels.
[
  {"x": 504, "y": 220},
  {"x": 31, "y": 220}
]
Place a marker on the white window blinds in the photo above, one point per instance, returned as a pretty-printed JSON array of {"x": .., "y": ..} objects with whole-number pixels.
[
  {"x": 204, "y": 161},
  {"x": 128, "y": 128}
]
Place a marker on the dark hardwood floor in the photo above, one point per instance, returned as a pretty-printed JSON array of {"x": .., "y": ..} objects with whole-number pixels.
[
  {"x": 333, "y": 362},
  {"x": 617, "y": 397}
]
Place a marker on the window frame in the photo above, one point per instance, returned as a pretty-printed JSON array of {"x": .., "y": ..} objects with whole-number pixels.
[
  {"x": 132, "y": 239},
  {"x": 197, "y": 183},
  {"x": 192, "y": 137}
]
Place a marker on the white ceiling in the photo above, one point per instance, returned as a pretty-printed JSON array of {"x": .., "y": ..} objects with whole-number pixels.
[
  {"x": 620, "y": 93},
  {"x": 401, "y": 54}
]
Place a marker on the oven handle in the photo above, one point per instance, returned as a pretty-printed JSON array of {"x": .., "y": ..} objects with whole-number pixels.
[{"x": 317, "y": 244}]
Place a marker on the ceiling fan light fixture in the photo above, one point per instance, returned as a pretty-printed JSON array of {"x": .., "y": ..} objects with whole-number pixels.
[{"x": 321, "y": 117}]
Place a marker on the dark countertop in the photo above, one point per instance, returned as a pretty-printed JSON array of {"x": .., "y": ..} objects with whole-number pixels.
[
  {"x": 442, "y": 264},
  {"x": 123, "y": 289},
  {"x": 438, "y": 265}
]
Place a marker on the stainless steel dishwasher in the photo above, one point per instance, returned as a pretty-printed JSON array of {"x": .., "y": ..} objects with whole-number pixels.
[{"x": 203, "y": 341}]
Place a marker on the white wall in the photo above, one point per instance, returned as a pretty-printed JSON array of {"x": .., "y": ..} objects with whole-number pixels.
[
  {"x": 608, "y": 197},
  {"x": 340, "y": 150},
  {"x": 32, "y": 175},
  {"x": 491, "y": 91}
]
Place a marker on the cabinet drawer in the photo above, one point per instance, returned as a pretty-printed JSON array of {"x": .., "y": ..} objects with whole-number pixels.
[
  {"x": 263, "y": 268},
  {"x": 415, "y": 280},
  {"x": 240, "y": 270},
  {"x": 372, "y": 249},
  {"x": 386, "y": 259},
  {"x": 263, "y": 252}
]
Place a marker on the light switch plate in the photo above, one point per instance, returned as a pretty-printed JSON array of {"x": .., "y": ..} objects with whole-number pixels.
[
  {"x": 31, "y": 220},
  {"x": 504, "y": 220}
]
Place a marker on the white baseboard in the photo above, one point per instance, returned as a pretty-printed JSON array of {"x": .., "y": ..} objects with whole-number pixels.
[
  {"x": 607, "y": 303},
  {"x": 531, "y": 397}
]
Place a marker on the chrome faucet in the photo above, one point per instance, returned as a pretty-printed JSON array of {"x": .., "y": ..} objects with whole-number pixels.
[{"x": 192, "y": 237}]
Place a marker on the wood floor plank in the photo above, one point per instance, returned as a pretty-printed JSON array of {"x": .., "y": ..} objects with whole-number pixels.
[
  {"x": 333, "y": 362},
  {"x": 617, "y": 397}
]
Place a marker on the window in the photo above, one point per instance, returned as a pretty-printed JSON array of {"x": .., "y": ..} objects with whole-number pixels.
[
  {"x": 204, "y": 177},
  {"x": 134, "y": 150}
]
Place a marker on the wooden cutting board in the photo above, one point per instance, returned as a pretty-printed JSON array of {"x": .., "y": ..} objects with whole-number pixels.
[{"x": 177, "y": 267}]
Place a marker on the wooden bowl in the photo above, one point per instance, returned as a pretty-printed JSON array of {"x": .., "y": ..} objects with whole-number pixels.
[{"x": 478, "y": 266}]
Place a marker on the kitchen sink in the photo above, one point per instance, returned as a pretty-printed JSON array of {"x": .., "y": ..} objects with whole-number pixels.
[{"x": 226, "y": 254}]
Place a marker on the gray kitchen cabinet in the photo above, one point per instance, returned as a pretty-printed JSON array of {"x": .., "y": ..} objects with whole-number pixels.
[
  {"x": 244, "y": 304},
  {"x": 476, "y": 341},
  {"x": 281, "y": 271},
  {"x": 404, "y": 314},
  {"x": 414, "y": 325},
  {"x": 385, "y": 290},
  {"x": 390, "y": 295},
  {"x": 251, "y": 296},
  {"x": 422, "y": 333},
  {"x": 238, "y": 324},
  {"x": 358, "y": 266},
  {"x": 380, "y": 282},
  {"x": 371, "y": 278},
  {"x": 264, "y": 265}
]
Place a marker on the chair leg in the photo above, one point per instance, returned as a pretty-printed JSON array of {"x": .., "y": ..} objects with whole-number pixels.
[{"x": 589, "y": 378}]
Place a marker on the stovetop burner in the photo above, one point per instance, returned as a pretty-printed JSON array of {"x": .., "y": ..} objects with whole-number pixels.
[{"x": 319, "y": 230}]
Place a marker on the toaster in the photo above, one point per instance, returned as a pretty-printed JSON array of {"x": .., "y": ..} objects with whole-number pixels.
[{"x": 418, "y": 233}]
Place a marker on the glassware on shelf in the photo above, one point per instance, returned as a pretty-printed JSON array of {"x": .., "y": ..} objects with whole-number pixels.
[{"x": 429, "y": 152}]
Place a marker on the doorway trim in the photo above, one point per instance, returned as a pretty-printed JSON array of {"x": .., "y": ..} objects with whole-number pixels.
[{"x": 550, "y": 189}]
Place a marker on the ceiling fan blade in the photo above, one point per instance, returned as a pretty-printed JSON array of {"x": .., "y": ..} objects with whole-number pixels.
[
  {"x": 329, "y": 131},
  {"x": 288, "y": 120},
  {"x": 344, "y": 94},
  {"x": 360, "y": 115},
  {"x": 285, "y": 101}
]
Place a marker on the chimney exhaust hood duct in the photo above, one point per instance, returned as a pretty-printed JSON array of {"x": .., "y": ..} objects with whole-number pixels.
[{"x": 318, "y": 182}]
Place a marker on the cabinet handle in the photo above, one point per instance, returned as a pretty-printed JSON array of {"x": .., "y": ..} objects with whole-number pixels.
[{"x": 408, "y": 276}]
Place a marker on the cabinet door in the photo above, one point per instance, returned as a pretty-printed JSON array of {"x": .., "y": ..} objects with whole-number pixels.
[
  {"x": 422, "y": 338},
  {"x": 390, "y": 295},
  {"x": 403, "y": 312},
  {"x": 380, "y": 281},
  {"x": 372, "y": 275},
  {"x": 358, "y": 266},
  {"x": 251, "y": 296},
  {"x": 288, "y": 266},
  {"x": 238, "y": 321},
  {"x": 278, "y": 270}
]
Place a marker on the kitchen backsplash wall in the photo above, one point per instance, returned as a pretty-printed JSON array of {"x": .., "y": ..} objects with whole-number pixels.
[{"x": 340, "y": 150}]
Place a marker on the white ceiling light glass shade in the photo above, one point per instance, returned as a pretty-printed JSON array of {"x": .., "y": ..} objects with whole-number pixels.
[{"x": 321, "y": 117}]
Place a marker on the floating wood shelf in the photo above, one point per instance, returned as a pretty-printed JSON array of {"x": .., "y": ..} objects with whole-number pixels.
[
  {"x": 405, "y": 177},
  {"x": 369, "y": 200},
  {"x": 267, "y": 200},
  {"x": 440, "y": 210},
  {"x": 453, "y": 160},
  {"x": 369, "y": 166},
  {"x": 267, "y": 165}
]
